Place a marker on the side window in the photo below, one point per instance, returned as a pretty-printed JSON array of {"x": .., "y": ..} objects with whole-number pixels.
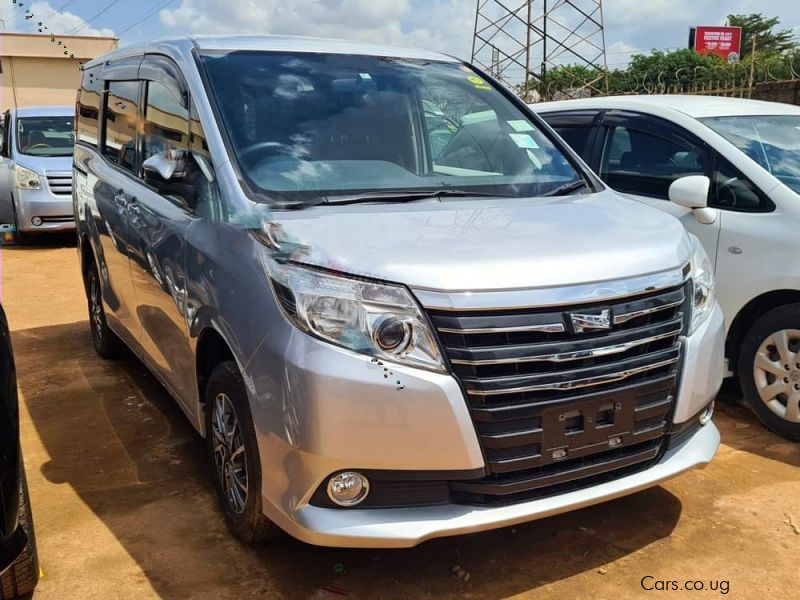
[
  {"x": 166, "y": 122},
  {"x": 642, "y": 163},
  {"x": 121, "y": 117},
  {"x": 731, "y": 190},
  {"x": 89, "y": 99},
  {"x": 576, "y": 137}
]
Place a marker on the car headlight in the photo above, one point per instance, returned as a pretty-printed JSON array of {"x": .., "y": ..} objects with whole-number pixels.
[
  {"x": 25, "y": 179},
  {"x": 380, "y": 320},
  {"x": 703, "y": 292}
]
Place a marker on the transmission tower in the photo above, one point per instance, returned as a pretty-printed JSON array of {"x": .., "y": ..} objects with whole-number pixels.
[{"x": 519, "y": 41}]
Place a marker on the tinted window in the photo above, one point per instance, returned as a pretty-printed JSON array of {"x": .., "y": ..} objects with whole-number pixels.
[
  {"x": 576, "y": 137},
  {"x": 166, "y": 122},
  {"x": 314, "y": 126},
  {"x": 733, "y": 191},
  {"x": 45, "y": 136},
  {"x": 89, "y": 110},
  {"x": 641, "y": 163},
  {"x": 121, "y": 116}
]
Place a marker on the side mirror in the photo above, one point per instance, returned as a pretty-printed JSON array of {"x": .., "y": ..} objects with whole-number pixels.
[
  {"x": 168, "y": 165},
  {"x": 692, "y": 192}
]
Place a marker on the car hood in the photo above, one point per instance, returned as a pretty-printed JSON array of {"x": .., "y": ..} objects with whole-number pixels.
[
  {"x": 45, "y": 164},
  {"x": 473, "y": 244}
]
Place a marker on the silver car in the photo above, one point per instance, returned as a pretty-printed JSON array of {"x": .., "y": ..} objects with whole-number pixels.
[
  {"x": 36, "y": 170},
  {"x": 393, "y": 302}
]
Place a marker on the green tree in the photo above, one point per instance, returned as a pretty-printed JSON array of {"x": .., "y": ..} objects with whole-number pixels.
[{"x": 768, "y": 39}]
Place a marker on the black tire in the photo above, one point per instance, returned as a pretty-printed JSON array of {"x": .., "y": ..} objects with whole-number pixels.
[
  {"x": 106, "y": 343},
  {"x": 246, "y": 521},
  {"x": 780, "y": 319},
  {"x": 22, "y": 576},
  {"x": 19, "y": 237}
]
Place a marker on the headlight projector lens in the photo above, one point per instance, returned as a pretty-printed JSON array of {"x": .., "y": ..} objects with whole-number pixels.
[{"x": 393, "y": 334}]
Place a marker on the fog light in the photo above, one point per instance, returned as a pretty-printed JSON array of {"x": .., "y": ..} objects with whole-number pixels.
[
  {"x": 392, "y": 334},
  {"x": 348, "y": 488},
  {"x": 706, "y": 415},
  {"x": 36, "y": 221}
]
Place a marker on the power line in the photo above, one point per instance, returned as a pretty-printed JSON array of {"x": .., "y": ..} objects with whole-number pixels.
[
  {"x": 89, "y": 21},
  {"x": 146, "y": 17}
]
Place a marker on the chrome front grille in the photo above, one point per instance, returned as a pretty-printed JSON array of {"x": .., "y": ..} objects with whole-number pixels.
[
  {"x": 555, "y": 404},
  {"x": 60, "y": 183}
]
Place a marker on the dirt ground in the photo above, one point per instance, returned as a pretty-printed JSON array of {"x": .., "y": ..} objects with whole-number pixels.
[{"x": 124, "y": 508}]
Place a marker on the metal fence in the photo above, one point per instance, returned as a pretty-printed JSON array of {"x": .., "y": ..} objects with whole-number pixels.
[{"x": 771, "y": 78}]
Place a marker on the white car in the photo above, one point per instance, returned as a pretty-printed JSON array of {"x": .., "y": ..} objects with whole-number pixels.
[{"x": 731, "y": 168}]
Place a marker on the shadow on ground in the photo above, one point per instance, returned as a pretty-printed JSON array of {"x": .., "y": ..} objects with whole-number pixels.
[
  {"x": 124, "y": 446},
  {"x": 39, "y": 241}
]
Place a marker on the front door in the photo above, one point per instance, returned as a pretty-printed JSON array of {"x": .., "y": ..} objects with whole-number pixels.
[{"x": 641, "y": 157}]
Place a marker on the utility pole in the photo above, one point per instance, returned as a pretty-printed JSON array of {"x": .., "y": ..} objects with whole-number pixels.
[
  {"x": 521, "y": 41},
  {"x": 752, "y": 69}
]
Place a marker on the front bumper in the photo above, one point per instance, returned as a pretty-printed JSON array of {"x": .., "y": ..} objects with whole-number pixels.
[
  {"x": 407, "y": 527},
  {"x": 318, "y": 409},
  {"x": 55, "y": 210}
]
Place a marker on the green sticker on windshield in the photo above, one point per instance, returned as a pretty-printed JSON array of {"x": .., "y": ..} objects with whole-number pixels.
[
  {"x": 520, "y": 126},
  {"x": 479, "y": 83}
]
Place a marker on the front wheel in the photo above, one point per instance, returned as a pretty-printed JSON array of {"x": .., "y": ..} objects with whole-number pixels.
[
  {"x": 769, "y": 370},
  {"x": 233, "y": 454}
]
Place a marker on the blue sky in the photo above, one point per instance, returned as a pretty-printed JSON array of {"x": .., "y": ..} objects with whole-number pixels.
[{"x": 444, "y": 25}]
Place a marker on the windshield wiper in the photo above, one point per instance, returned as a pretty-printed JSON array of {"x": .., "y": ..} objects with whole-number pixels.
[
  {"x": 409, "y": 196},
  {"x": 568, "y": 188}
]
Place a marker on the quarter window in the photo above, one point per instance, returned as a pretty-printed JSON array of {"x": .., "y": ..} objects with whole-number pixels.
[
  {"x": 641, "y": 163},
  {"x": 121, "y": 116}
]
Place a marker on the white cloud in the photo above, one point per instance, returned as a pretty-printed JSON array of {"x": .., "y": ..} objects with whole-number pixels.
[
  {"x": 444, "y": 25},
  {"x": 58, "y": 23}
]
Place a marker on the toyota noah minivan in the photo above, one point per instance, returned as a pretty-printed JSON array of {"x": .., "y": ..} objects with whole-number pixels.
[{"x": 392, "y": 301}]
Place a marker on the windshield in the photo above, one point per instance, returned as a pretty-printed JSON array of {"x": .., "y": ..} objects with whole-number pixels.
[
  {"x": 315, "y": 126},
  {"x": 772, "y": 141},
  {"x": 45, "y": 136}
]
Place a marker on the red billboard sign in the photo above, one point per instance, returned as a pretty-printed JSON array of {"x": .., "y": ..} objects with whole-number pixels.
[{"x": 725, "y": 42}]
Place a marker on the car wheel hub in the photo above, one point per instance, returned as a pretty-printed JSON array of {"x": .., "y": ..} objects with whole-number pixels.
[
  {"x": 229, "y": 453},
  {"x": 776, "y": 372}
]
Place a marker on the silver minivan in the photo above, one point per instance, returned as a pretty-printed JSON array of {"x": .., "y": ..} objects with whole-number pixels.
[
  {"x": 392, "y": 301},
  {"x": 36, "y": 170}
]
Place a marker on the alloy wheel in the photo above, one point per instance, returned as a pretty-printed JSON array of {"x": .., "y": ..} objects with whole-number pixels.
[
  {"x": 229, "y": 453},
  {"x": 776, "y": 371}
]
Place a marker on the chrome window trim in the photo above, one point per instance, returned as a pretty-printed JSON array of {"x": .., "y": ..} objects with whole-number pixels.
[{"x": 588, "y": 293}]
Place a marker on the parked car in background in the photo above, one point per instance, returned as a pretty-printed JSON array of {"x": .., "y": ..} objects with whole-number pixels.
[
  {"x": 731, "y": 168},
  {"x": 394, "y": 303},
  {"x": 36, "y": 170},
  {"x": 19, "y": 563}
]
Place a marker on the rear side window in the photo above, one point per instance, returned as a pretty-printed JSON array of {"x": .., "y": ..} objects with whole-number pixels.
[
  {"x": 89, "y": 99},
  {"x": 641, "y": 163},
  {"x": 576, "y": 137},
  {"x": 121, "y": 116}
]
